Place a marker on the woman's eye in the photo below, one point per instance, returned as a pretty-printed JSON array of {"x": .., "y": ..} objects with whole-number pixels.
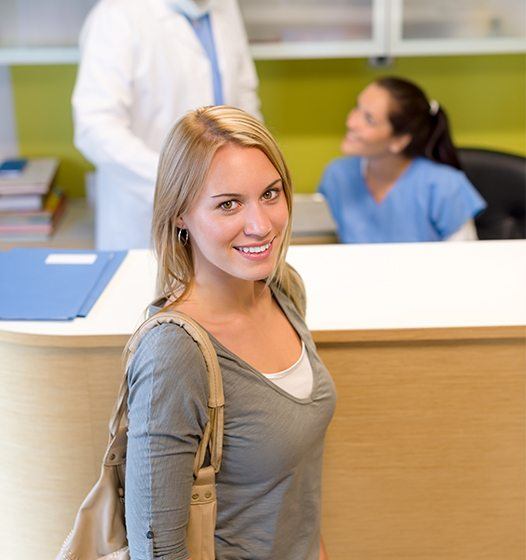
[
  {"x": 228, "y": 205},
  {"x": 271, "y": 194}
]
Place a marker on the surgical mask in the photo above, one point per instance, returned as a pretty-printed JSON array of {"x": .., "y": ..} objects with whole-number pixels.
[{"x": 191, "y": 8}]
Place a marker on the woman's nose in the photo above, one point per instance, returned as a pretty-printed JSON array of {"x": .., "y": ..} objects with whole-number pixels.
[
  {"x": 257, "y": 222},
  {"x": 352, "y": 119}
]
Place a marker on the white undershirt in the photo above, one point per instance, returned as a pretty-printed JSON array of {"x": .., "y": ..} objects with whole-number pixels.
[
  {"x": 297, "y": 379},
  {"x": 467, "y": 232}
]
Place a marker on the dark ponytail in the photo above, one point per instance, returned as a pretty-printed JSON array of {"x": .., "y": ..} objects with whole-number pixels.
[{"x": 426, "y": 122}]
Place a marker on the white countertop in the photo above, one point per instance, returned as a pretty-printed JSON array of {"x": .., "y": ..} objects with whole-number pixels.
[
  {"x": 414, "y": 285},
  {"x": 350, "y": 287}
]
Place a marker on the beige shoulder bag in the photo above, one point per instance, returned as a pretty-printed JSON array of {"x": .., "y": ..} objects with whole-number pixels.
[{"x": 99, "y": 531}]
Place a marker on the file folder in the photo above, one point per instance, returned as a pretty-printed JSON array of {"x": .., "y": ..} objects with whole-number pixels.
[
  {"x": 107, "y": 274},
  {"x": 53, "y": 285}
]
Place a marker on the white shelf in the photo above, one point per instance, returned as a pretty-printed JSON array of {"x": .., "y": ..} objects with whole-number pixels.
[
  {"x": 425, "y": 47},
  {"x": 300, "y": 50},
  {"x": 263, "y": 51},
  {"x": 314, "y": 49},
  {"x": 39, "y": 55}
]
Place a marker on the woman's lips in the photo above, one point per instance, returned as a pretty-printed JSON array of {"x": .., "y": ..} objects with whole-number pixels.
[{"x": 255, "y": 252}]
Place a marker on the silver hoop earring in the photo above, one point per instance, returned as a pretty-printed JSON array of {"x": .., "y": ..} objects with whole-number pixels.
[{"x": 183, "y": 236}]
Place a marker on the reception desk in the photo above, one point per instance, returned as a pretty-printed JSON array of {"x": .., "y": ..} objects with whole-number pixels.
[{"x": 425, "y": 457}]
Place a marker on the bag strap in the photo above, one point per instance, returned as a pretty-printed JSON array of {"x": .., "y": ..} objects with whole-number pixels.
[{"x": 213, "y": 434}]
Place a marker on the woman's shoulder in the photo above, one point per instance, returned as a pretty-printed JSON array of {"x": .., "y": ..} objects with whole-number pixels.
[
  {"x": 442, "y": 181},
  {"x": 338, "y": 175},
  {"x": 435, "y": 170},
  {"x": 166, "y": 343},
  {"x": 167, "y": 361},
  {"x": 451, "y": 198},
  {"x": 163, "y": 333}
]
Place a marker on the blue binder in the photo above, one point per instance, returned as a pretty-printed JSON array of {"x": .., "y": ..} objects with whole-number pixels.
[
  {"x": 53, "y": 285},
  {"x": 107, "y": 274}
]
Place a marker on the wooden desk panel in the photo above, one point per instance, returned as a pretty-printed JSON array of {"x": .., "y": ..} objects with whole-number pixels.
[
  {"x": 425, "y": 457},
  {"x": 54, "y": 408}
]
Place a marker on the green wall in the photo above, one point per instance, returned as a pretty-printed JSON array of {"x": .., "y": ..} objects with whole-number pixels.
[{"x": 305, "y": 103}]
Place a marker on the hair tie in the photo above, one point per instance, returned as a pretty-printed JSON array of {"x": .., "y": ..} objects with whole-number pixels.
[{"x": 434, "y": 106}]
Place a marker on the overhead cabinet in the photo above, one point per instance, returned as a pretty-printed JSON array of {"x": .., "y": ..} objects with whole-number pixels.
[
  {"x": 313, "y": 29},
  {"x": 421, "y": 27},
  {"x": 46, "y": 31},
  {"x": 41, "y": 31}
]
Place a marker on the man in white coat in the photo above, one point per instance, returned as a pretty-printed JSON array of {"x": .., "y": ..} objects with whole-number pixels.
[{"x": 144, "y": 64}]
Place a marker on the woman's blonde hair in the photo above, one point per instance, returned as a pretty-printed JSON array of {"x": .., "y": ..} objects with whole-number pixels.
[{"x": 184, "y": 163}]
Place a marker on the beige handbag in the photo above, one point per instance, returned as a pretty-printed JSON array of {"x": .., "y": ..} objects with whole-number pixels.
[{"x": 99, "y": 531}]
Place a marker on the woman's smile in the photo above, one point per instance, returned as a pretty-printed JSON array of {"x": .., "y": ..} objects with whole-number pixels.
[{"x": 256, "y": 252}]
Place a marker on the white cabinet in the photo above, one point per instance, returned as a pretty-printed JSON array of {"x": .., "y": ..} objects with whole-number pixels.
[
  {"x": 314, "y": 29},
  {"x": 41, "y": 23},
  {"x": 41, "y": 31},
  {"x": 310, "y": 28},
  {"x": 457, "y": 26},
  {"x": 46, "y": 31}
]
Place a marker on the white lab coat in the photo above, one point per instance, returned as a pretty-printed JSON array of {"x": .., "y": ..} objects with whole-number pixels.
[{"x": 142, "y": 67}]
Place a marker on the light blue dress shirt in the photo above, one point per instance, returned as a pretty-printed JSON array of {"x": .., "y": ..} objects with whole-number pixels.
[
  {"x": 429, "y": 202},
  {"x": 203, "y": 29}
]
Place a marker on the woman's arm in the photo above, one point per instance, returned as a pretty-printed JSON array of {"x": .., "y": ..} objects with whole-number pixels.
[{"x": 167, "y": 414}]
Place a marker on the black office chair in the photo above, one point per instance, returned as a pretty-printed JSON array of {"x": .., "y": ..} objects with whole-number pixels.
[{"x": 501, "y": 180}]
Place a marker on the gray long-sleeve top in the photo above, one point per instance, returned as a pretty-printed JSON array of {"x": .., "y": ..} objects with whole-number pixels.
[{"x": 269, "y": 486}]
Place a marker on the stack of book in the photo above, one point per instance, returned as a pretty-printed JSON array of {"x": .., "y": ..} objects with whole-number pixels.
[{"x": 30, "y": 205}]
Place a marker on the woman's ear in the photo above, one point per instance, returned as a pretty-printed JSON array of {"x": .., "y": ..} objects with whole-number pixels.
[
  {"x": 399, "y": 143},
  {"x": 180, "y": 223}
]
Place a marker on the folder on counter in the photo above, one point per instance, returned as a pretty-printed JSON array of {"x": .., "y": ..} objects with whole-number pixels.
[
  {"x": 53, "y": 285},
  {"x": 109, "y": 270}
]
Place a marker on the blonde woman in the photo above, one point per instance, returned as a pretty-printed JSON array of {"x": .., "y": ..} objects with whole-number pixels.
[{"x": 221, "y": 228}]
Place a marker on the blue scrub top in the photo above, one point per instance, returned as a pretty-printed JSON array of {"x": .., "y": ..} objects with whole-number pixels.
[{"x": 429, "y": 202}]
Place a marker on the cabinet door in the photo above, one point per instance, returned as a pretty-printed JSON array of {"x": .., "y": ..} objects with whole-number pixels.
[
  {"x": 42, "y": 23},
  {"x": 40, "y": 31},
  {"x": 457, "y": 26},
  {"x": 314, "y": 29}
]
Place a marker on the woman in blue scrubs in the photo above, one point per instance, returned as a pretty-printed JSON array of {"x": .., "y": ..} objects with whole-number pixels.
[{"x": 400, "y": 178}]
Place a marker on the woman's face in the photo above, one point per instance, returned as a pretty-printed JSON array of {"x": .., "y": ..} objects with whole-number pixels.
[
  {"x": 369, "y": 132},
  {"x": 238, "y": 221}
]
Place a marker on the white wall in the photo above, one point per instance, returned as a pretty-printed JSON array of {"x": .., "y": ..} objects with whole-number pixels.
[{"x": 8, "y": 138}]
